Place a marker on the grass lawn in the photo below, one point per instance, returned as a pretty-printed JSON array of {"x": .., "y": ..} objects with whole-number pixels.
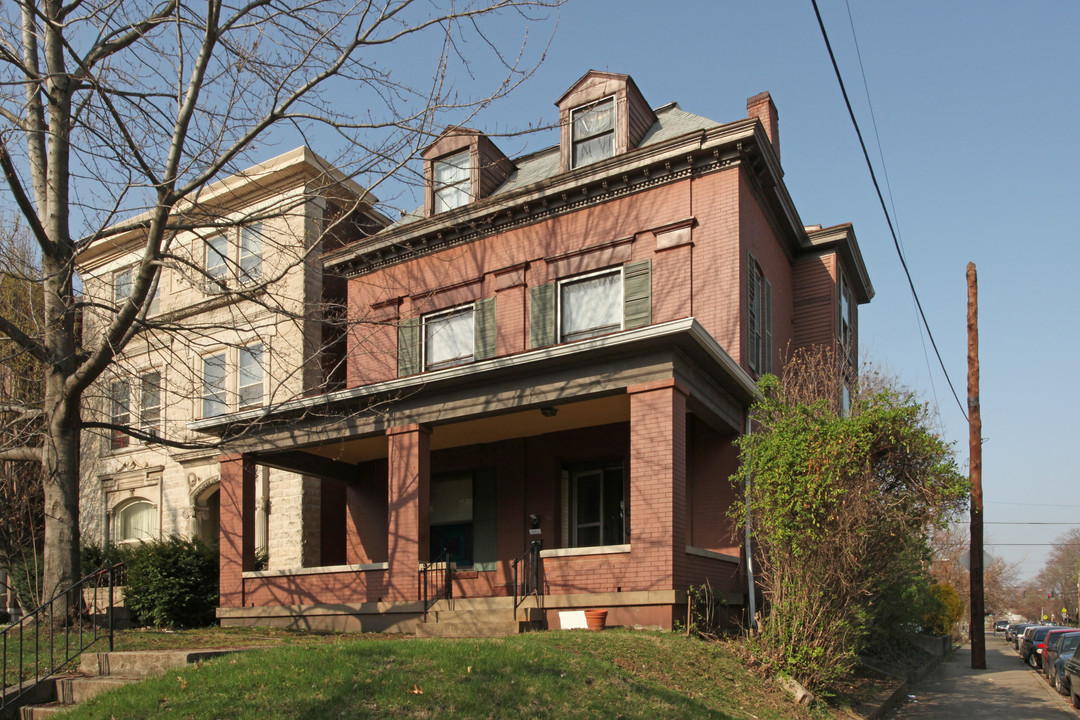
[{"x": 614, "y": 674}]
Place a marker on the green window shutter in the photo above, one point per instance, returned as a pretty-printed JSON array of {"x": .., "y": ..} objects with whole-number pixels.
[
  {"x": 637, "y": 294},
  {"x": 767, "y": 326},
  {"x": 409, "y": 346},
  {"x": 484, "y": 329},
  {"x": 542, "y": 316}
]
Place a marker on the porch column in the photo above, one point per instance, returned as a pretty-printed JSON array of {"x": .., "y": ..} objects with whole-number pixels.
[
  {"x": 237, "y": 542},
  {"x": 657, "y": 482},
  {"x": 409, "y": 500}
]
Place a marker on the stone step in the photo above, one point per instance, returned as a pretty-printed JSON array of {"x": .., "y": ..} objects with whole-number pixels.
[
  {"x": 75, "y": 689},
  {"x": 141, "y": 663},
  {"x": 479, "y": 623}
]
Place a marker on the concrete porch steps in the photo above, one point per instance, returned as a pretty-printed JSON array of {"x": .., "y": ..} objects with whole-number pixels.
[
  {"x": 99, "y": 672},
  {"x": 480, "y": 617}
]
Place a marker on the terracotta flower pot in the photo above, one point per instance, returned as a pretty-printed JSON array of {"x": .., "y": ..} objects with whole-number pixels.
[{"x": 596, "y": 619}]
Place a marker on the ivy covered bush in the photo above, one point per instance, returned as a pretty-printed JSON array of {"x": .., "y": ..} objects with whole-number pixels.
[{"x": 172, "y": 583}]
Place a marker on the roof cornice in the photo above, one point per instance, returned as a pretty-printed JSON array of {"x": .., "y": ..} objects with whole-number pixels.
[{"x": 690, "y": 155}]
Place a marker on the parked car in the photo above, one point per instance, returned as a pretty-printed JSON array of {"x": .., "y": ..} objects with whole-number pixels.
[
  {"x": 1031, "y": 647},
  {"x": 1014, "y": 631},
  {"x": 1051, "y": 650},
  {"x": 1000, "y": 626},
  {"x": 1058, "y": 677},
  {"x": 1072, "y": 676}
]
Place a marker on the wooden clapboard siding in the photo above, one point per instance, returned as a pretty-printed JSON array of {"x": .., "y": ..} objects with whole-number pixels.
[{"x": 814, "y": 301}]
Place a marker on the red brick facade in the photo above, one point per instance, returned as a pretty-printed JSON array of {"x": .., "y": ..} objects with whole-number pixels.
[{"x": 620, "y": 445}]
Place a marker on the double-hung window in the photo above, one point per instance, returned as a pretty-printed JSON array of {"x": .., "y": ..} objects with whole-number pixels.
[
  {"x": 592, "y": 132},
  {"x": 249, "y": 379},
  {"x": 121, "y": 286},
  {"x": 251, "y": 248},
  {"x": 449, "y": 337},
  {"x": 759, "y": 348},
  {"x": 846, "y": 326},
  {"x": 451, "y": 181},
  {"x": 150, "y": 402},
  {"x": 591, "y": 305},
  {"x": 216, "y": 261},
  {"x": 119, "y": 412},
  {"x": 214, "y": 378},
  {"x": 136, "y": 521}
]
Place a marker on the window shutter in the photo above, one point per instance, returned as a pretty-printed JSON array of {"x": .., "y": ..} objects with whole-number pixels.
[
  {"x": 766, "y": 324},
  {"x": 541, "y": 316},
  {"x": 484, "y": 329},
  {"x": 753, "y": 337},
  {"x": 409, "y": 346},
  {"x": 637, "y": 294}
]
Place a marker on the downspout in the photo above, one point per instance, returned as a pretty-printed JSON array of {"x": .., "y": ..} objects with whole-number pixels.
[{"x": 749, "y": 555}]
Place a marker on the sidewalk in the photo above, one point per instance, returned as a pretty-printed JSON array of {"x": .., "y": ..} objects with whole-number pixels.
[{"x": 1005, "y": 689}]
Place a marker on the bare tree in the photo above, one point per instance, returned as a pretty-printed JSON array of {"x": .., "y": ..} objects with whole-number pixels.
[{"x": 115, "y": 110}]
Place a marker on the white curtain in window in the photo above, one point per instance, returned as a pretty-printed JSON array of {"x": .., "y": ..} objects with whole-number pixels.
[
  {"x": 448, "y": 339},
  {"x": 452, "y": 182},
  {"x": 591, "y": 307},
  {"x": 138, "y": 521}
]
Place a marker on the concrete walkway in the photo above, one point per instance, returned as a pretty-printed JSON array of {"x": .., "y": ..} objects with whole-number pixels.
[{"x": 1007, "y": 688}]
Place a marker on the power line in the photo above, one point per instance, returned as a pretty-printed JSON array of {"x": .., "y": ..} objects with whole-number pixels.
[{"x": 885, "y": 209}]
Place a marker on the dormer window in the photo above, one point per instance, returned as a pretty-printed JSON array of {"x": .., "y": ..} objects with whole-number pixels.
[
  {"x": 451, "y": 181},
  {"x": 593, "y": 132}
]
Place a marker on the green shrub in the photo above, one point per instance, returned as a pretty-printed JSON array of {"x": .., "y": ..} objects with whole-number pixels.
[
  {"x": 947, "y": 610},
  {"x": 26, "y": 574},
  {"x": 95, "y": 557},
  {"x": 172, "y": 583}
]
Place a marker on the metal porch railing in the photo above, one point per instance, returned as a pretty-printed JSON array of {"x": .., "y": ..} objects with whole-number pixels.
[
  {"x": 436, "y": 581},
  {"x": 48, "y": 638},
  {"x": 527, "y": 572}
]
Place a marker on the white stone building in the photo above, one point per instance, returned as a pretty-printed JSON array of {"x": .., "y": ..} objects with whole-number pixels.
[{"x": 237, "y": 322}]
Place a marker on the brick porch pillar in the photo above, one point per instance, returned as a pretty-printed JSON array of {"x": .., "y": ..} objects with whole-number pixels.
[
  {"x": 409, "y": 499},
  {"x": 237, "y": 542},
  {"x": 657, "y": 482}
]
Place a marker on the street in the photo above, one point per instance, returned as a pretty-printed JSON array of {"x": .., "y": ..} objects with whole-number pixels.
[{"x": 1006, "y": 689}]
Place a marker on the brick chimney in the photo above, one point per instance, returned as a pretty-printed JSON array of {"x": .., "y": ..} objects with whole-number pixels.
[{"x": 761, "y": 107}]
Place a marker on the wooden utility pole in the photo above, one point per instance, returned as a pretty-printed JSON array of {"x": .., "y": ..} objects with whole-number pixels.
[{"x": 978, "y": 634}]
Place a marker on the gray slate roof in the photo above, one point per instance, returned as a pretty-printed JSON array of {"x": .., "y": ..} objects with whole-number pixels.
[{"x": 671, "y": 121}]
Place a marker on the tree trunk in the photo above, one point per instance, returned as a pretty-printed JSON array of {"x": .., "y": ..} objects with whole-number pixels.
[{"x": 61, "y": 484}]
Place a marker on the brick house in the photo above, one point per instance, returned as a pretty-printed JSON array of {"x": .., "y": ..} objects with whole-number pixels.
[
  {"x": 233, "y": 324},
  {"x": 565, "y": 342}
]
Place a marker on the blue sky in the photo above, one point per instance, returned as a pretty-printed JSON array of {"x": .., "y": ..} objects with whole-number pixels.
[{"x": 977, "y": 110}]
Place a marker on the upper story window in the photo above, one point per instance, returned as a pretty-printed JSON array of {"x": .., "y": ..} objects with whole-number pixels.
[
  {"x": 592, "y": 129},
  {"x": 846, "y": 327},
  {"x": 214, "y": 376},
  {"x": 759, "y": 349},
  {"x": 216, "y": 260},
  {"x": 119, "y": 413},
  {"x": 249, "y": 377},
  {"x": 449, "y": 338},
  {"x": 121, "y": 286},
  {"x": 150, "y": 402},
  {"x": 590, "y": 306},
  {"x": 251, "y": 242},
  {"x": 451, "y": 181}
]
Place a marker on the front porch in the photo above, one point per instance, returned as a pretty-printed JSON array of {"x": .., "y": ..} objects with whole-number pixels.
[{"x": 621, "y": 464}]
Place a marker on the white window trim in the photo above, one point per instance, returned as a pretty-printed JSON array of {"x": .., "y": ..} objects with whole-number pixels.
[
  {"x": 614, "y": 126},
  {"x": 118, "y": 441},
  {"x": 457, "y": 309},
  {"x": 233, "y": 275},
  {"x": 157, "y": 431},
  {"x": 232, "y": 379},
  {"x": 117, "y": 521},
  {"x": 569, "y": 506},
  {"x": 262, "y": 376},
  {"x": 465, "y": 184},
  {"x": 559, "y": 337},
  {"x": 202, "y": 396}
]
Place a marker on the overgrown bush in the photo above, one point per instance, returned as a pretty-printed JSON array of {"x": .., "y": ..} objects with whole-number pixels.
[
  {"x": 25, "y": 575},
  {"x": 172, "y": 583},
  {"x": 839, "y": 507},
  {"x": 946, "y": 611}
]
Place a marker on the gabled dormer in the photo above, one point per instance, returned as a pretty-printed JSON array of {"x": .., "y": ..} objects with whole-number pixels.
[
  {"x": 602, "y": 115},
  {"x": 460, "y": 167}
]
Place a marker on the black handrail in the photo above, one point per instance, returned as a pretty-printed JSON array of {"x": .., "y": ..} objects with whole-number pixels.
[
  {"x": 528, "y": 583},
  {"x": 437, "y": 575},
  {"x": 70, "y": 619}
]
